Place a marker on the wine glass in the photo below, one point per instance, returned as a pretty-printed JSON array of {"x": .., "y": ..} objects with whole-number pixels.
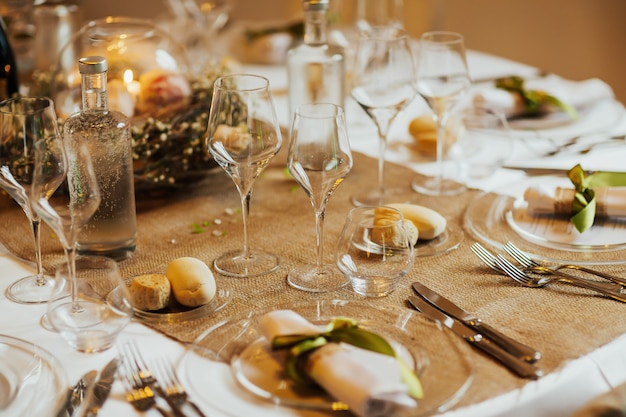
[
  {"x": 442, "y": 79},
  {"x": 319, "y": 158},
  {"x": 95, "y": 285},
  {"x": 243, "y": 136},
  {"x": 77, "y": 197},
  {"x": 383, "y": 85},
  {"x": 374, "y": 250},
  {"x": 23, "y": 122}
]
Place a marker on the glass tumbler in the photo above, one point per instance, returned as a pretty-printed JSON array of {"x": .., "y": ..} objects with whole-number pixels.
[
  {"x": 90, "y": 313},
  {"x": 374, "y": 250}
]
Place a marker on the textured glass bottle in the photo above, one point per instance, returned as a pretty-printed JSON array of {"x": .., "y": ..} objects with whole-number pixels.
[
  {"x": 112, "y": 231},
  {"x": 315, "y": 70}
]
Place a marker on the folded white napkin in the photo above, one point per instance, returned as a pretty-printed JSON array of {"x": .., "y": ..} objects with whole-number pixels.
[
  {"x": 543, "y": 199},
  {"x": 578, "y": 94},
  {"x": 370, "y": 383}
]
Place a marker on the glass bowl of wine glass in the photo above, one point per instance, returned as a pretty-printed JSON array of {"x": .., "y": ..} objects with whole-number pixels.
[{"x": 90, "y": 311}]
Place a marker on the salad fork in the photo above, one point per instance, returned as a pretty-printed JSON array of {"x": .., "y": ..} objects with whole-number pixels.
[
  {"x": 525, "y": 260},
  {"x": 490, "y": 260},
  {"x": 172, "y": 386},
  {"x": 525, "y": 278}
]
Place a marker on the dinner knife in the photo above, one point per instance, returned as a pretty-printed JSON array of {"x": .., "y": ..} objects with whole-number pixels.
[
  {"x": 512, "y": 346},
  {"x": 515, "y": 364},
  {"x": 76, "y": 394},
  {"x": 100, "y": 390}
]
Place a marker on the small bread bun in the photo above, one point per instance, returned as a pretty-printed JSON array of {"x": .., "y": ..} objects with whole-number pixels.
[
  {"x": 192, "y": 281},
  {"x": 150, "y": 292},
  {"x": 424, "y": 131}
]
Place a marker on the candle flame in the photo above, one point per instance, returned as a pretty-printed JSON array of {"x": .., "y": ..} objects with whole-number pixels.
[{"x": 128, "y": 76}]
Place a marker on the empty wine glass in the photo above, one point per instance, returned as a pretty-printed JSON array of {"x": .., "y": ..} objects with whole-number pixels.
[
  {"x": 23, "y": 122},
  {"x": 77, "y": 197},
  {"x": 374, "y": 250},
  {"x": 243, "y": 136},
  {"x": 319, "y": 158},
  {"x": 442, "y": 79},
  {"x": 383, "y": 85}
]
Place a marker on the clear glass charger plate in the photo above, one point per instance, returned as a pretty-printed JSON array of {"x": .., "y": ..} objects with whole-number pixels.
[
  {"x": 31, "y": 379},
  {"x": 176, "y": 312},
  {"x": 500, "y": 216},
  {"x": 231, "y": 368}
]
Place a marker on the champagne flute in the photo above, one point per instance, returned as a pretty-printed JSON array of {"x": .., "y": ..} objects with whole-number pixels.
[
  {"x": 243, "y": 136},
  {"x": 383, "y": 85},
  {"x": 23, "y": 122},
  {"x": 442, "y": 79},
  {"x": 77, "y": 197},
  {"x": 319, "y": 158}
]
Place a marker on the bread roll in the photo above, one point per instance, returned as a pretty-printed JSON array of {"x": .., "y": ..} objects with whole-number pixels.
[
  {"x": 192, "y": 281},
  {"x": 150, "y": 292},
  {"x": 429, "y": 222},
  {"x": 424, "y": 131}
]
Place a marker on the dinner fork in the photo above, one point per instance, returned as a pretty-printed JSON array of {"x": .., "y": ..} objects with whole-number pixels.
[
  {"x": 526, "y": 279},
  {"x": 140, "y": 396},
  {"x": 525, "y": 260},
  {"x": 489, "y": 259},
  {"x": 143, "y": 377},
  {"x": 172, "y": 386}
]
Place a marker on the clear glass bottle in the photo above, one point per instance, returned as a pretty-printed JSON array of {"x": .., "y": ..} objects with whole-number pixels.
[
  {"x": 112, "y": 230},
  {"x": 315, "y": 69}
]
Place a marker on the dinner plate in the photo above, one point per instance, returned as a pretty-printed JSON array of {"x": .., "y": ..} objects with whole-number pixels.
[
  {"x": 231, "y": 368},
  {"x": 176, "y": 312},
  {"x": 499, "y": 216},
  {"x": 596, "y": 117},
  {"x": 31, "y": 380}
]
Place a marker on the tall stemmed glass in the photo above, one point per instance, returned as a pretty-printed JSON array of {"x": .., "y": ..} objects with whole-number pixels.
[
  {"x": 76, "y": 200},
  {"x": 442, "y": 79},
  {"x": 24, "y": 121},
  {"x": 383, "y": 85},
  {"x": 243, "y": 137},
  {"x": 319, "y": 158}
]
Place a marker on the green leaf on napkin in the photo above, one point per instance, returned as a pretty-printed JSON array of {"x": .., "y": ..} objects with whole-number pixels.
[
  {"x": 584, "y": 203},
  {"x": 534, "y": 100}
]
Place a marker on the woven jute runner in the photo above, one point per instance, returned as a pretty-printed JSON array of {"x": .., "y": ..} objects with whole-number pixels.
[{"x": 562, "y": 322}]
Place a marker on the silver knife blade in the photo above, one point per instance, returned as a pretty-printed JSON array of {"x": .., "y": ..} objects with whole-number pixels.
[
  {"x": 512, "y": 346},
  {"x": 515, "y": 364},
  {"x": 100, "y": 390},
  {"x": 76, "y": 393}
]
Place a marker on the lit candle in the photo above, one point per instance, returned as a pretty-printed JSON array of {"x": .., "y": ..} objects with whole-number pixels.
[{"x": 132, "y": 86}]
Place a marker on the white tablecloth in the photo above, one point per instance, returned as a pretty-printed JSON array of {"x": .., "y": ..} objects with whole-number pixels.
[{"x": 557, "y": 394}]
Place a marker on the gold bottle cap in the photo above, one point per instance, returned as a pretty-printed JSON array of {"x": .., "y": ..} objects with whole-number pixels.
[{"x": 92, "y": 65}]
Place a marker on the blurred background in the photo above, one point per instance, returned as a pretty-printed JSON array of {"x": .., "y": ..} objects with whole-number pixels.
[{"x": 577, "y": 39}]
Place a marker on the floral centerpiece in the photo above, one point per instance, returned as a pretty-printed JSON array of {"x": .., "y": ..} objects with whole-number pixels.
[{"x": 149, "y": 81}]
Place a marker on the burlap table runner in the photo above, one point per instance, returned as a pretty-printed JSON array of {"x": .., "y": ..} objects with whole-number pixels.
[{"x": 563, "y": 323}]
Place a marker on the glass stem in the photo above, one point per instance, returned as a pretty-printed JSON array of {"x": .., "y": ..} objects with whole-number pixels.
[
  {"x": 70, "y": 253},
  {"x": 319, "y": 237},
  {"x": 441, "y": 140},
  {"x": 36, "y": 225},
  {"x": 245, "y": 212},
  {"x": 383, "y": 129}
]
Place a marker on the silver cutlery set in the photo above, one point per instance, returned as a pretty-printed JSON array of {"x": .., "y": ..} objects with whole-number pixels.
[
  {"x": 144, "y": 390},
  {"x": 518, "y": 357}
]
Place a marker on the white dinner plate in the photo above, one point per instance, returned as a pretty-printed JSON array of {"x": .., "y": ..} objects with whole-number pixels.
[
  {"x": 31, "y": 380},
  {"x": 223, "y": 377},
  {"x": 595, "y": 118},
  {"x": 499, "y": 216}
]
